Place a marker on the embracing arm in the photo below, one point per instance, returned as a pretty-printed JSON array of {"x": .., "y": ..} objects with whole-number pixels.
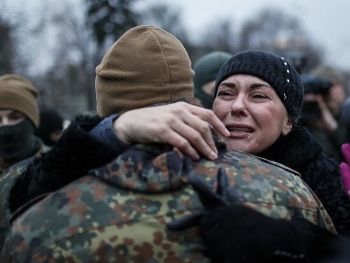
[
  {"x": 180, "y": 124},
  {"x": 90, "y": 142}
]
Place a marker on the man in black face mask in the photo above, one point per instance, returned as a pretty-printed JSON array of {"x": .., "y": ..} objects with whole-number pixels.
[{"x": 19, "y": 117}]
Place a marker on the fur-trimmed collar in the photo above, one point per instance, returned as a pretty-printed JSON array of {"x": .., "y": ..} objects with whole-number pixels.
[{"x": 295, "y": 149}]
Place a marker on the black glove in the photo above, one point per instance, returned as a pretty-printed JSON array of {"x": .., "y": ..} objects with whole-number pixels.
[{"x": 237, "y": 233}]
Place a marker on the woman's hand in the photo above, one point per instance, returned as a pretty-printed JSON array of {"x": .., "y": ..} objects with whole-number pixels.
[{"x": 180, "y": 124}]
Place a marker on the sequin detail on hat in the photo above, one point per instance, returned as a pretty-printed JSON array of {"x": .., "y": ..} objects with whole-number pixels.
[
  {"x": 284, "y": 94},
  {"x": 273, "y": 69}
]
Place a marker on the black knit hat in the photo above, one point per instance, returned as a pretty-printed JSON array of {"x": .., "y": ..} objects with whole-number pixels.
[
  {"x": 50, "y": 120},
  {"x": 275, "y": 70}
]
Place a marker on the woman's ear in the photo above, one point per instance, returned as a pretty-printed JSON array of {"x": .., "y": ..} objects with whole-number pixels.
[{"x": 287, "y": 127}]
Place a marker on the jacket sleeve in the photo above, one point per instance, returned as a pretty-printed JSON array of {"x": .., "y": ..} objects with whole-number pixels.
[{"x": 104, "y": 133}]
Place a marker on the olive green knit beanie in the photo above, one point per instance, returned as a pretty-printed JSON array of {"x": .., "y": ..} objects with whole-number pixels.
[
  {"x": 146, "y": 65},
  {"x": 206, "y": 69},
  {"x": 18, "y": 93}
]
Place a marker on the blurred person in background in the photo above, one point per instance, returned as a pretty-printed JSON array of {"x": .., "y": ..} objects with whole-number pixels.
[
  {"x": 19, "y": 117},
  {"x": 51, "y": 126},
  {"x": 206, "y": 68},
  {"x": 324, "y": 97}
]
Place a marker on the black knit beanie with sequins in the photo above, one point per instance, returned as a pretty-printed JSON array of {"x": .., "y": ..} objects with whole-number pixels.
[{"x": 273, "y": 69}]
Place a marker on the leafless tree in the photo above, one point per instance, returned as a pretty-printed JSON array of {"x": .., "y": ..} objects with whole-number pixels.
[
  {"x": 274, "y": 30},
  {"x": 6, "y": 50},
  {"x": 218, "y": 35}
]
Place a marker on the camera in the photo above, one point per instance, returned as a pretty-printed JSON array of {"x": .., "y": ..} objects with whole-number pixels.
[{"x": 314, "y": 85}]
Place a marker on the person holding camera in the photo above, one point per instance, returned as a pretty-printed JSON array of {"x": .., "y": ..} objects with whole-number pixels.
[{"x": 323, "y": 101}]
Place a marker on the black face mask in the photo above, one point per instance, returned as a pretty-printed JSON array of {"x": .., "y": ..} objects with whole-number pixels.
[{"x": 17, "y": 141}]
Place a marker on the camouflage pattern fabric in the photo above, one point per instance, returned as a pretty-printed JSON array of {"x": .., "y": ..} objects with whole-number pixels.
[
  {"x": 7, "y": 180},
  {"x": 118, "y": 212},
  {"x": 5, "y": 165}
]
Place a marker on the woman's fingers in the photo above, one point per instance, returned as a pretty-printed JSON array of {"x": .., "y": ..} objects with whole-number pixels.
[{"x": 180, "y": 124}]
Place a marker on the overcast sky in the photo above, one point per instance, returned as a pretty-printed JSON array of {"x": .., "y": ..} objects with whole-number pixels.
[{"x": 326, "y": 21}]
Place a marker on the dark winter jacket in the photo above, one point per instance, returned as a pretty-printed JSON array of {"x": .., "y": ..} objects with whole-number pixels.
[
  {"x": 320, "y": 172},
  {"x": 5, "y": 165}
]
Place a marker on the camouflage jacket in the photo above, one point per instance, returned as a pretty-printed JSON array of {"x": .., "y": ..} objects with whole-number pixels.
[
  {"x": 118, "y": 212},
  {"x": 5, "y": 165},
  {"x": 7, "y": 180}
]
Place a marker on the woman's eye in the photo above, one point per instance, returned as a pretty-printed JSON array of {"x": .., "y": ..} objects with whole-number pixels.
[
  {"x": 260, "y": 96},
  {"x": 224, "y": 94}
]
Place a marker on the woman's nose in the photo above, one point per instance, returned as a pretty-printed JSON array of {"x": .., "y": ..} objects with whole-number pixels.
[{"x": 239, "y": 107}]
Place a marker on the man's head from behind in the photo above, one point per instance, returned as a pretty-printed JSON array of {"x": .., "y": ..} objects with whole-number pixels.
[{"x": 146, "y": 66}]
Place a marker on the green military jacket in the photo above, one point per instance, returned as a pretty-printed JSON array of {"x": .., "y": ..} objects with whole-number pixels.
[{"x": 118, "y": 212}]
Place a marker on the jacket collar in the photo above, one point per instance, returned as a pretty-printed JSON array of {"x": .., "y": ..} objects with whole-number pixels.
[{"x": 295, "y": 149}]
